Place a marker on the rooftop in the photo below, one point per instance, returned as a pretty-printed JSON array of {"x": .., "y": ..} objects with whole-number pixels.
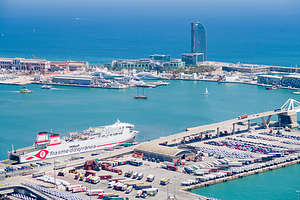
[
  {"x": 159, "y": 149},
  {"x": 192, "y": 54},
  {"x": 270, "y": 76}
]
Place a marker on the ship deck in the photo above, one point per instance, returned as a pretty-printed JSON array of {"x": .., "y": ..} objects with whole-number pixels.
[{"x": 24, "y": 150}]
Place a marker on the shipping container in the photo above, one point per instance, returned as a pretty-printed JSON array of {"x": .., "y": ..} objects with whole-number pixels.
[
  {"x": 78, "y": 189},
  {"x": 94, "y": 192},
  {"x": 90, "y": 172},
  {"x": 150, "y": 178},
  {"x": 38, "y": 174},
  {"x": 105, "y": 177},
  {"x": 70, "y": 187}
]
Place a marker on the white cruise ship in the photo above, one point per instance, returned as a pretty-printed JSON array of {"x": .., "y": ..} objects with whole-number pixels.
[{"x": 52, "y": 145}]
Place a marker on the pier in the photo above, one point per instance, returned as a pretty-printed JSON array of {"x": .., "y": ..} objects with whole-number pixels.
[{"x": 287, "y": 116}]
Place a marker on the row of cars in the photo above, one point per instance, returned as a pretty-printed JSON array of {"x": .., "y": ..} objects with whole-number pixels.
[
  {"x": 237, "y": 170},
  {"x": 54, "y": 193},
  {"x": 245, "y": 146}
]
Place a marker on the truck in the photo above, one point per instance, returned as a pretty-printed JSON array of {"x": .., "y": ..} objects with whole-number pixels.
[
  {"x": 81, "y": 189},
  {"x": 150, "y": 191},
  {"x": 94, "y": 192},
  {"x": 142, "y": 186},
  {"x": 150, "y": 178},
  {"x": 164, "y": 181},
  {"x": 135, "y": 163},
  {"x": 70, "y": 187},
  {"x": 243, "y": 116},
  {"x": 107, "y": 195},
  {"x": 95, "y": 179}
]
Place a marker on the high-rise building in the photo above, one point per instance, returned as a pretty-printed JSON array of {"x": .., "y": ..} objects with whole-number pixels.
[
  {"x": 160, "y": 58},
  {"x": 192, "y": 59},
  {"x": 198, "y": 39}
]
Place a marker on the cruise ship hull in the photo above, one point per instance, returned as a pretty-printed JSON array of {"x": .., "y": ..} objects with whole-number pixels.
[{"x": 64, "y": 148}]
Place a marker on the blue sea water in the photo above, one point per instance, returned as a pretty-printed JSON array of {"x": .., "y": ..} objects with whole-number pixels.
[
  {"x": 276, "y": 185},
  {"x": 168, "y": 110},
  {"x": 263, "y": 32}
]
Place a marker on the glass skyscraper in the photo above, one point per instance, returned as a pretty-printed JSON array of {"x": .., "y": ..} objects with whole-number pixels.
[{"x": 198, "y": 39}]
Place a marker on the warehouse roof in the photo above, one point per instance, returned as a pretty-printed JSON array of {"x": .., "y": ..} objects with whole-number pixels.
[{"x": 160, "y": 149}]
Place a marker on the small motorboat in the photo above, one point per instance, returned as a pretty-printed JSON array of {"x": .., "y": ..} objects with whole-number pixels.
[
  {"x": 271, "y": 87},
  {"x": 46, "y": 87},
  {"x": 25, "y": 90},
  {"x": 296, "y": 92},
  {"x": 141, "y": 97}
]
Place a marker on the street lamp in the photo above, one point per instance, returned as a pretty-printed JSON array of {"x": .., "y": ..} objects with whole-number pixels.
[{"x": 54, "y": 173}]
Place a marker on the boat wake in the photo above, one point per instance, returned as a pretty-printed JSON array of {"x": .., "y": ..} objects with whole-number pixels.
[
  {"x": 58, "y": 89},
  {"x": 14, "y": 91}
]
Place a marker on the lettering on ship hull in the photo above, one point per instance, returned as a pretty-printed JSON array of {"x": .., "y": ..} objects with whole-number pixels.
[{"x": 42, "y": 154}]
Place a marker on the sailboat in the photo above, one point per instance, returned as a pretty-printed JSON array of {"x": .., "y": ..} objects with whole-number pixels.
[
  {"x": 206, "y": 91},
  {"x": 140, "y": 96}
]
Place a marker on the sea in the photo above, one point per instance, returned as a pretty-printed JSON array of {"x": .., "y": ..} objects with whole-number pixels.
[
  {"x": 249, "y": 31},
  {"x": 98, "y": 31}
]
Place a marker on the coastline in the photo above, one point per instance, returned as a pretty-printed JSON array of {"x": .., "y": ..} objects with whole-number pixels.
[{"x": 127, "y": 86}]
